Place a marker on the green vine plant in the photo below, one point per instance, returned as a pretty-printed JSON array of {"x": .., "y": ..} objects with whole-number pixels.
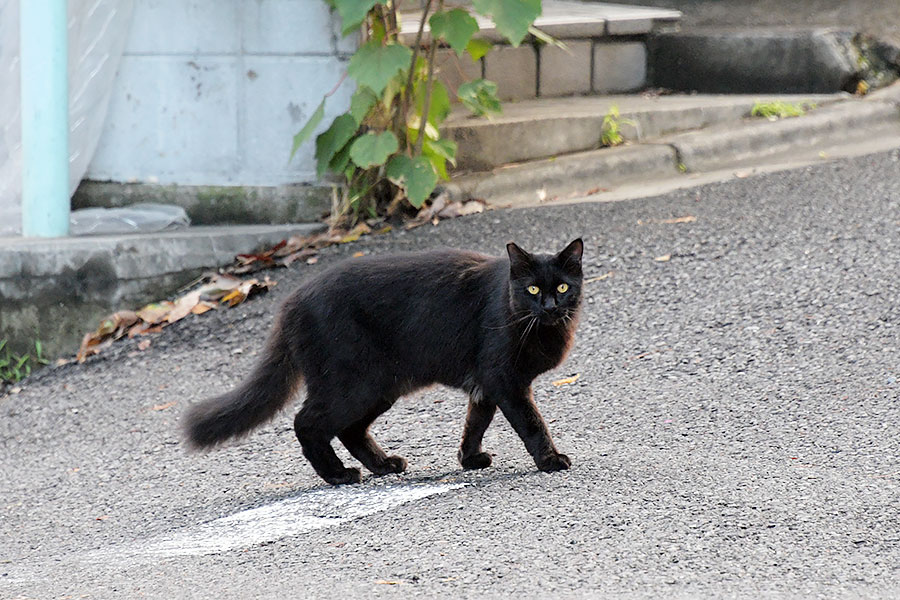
[{"x": 387, "y": 148}]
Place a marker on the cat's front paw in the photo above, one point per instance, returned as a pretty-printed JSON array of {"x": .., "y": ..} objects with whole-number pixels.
[
  {"x": 393, "y": 464},
  {"x": 554, "y": 462}
]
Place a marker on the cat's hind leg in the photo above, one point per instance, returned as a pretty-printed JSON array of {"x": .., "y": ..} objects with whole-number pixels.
[
  {"x": 478, "y": 418},
  {"x": 357, "y": 439},
  {"x": 315, "y": 431}
]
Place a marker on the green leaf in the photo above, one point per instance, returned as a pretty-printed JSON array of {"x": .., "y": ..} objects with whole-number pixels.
[
  {"x": 438, "y": 152},
  {"x": 438, "y": 106},
  {"x": 413, "y": 126},
  {"x": 392, "y": 90},
  {"x": 415, "y": 175},
  {"x": 341, "y": 160},
  {"x": 479, "y": 96},
  {"x": 373, "y": 149},
  {"x": 362, "y": 102},
  {"x": 307, "y": 130},
  {"x": 443, "y": 147},
  {"x": 329, "y": 142},
  {"x": 455, "y": 26},
  {"x": 512, "y": 17},
  {"x": 353, "y": 12},
  {"x": 477, "y": 48},
  {"x": 375, "y": 65}
]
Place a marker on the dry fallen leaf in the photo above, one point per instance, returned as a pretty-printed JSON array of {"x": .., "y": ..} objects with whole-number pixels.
[
  {"x": 111, "y": 328},
  {"x": 685, "y": 219},
  {"x": 202, "y": 307},
  {"x": 247, "y": 289},
  {"x": 250, "y": 263},
  {"x": 663, "y": 258},
  {"x": 358, "y": 254},
  {"x": 599, "y": 277},
  {"x": 144, "y": 344},
  {"x": 219, "y": 285},
  {"x": 387, "y": 582},
  {"x": 567, "y": 380},
  {"x": 164, "y": 406},
  {"x": 460, "y": 209},
  {"x": 357, "y": 232},
  {"x": 156, "y": 312},
  {"x": 183, "y": 306}
]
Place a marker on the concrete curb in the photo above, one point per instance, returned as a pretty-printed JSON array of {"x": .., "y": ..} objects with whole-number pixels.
[
  {"x": 566, "y": 175},
  {"x": 714, "y": 148},
  {"x": 54, "y": 289}
]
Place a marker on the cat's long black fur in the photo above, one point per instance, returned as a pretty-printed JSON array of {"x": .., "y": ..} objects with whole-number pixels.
[{"x": 369, "y": 330}]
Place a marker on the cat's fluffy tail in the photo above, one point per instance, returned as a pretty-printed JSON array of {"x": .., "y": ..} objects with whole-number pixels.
[{"x": 256, "y": 400}]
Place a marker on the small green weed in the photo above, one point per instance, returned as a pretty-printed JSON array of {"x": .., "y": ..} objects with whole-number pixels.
[
  {"x": 15, "y": 367},
  {"x": 611, "y": 134},
  {"x": 780, "y": 109}
]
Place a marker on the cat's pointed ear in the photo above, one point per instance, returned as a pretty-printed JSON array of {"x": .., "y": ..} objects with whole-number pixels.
[
  {"x": 519, "y": 260},
  {"x": 570, "y": 258}
]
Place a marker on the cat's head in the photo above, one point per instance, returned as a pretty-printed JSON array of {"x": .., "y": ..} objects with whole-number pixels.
[{"x": 547, "y": 286}]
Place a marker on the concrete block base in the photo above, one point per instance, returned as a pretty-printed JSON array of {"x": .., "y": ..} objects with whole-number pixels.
[
  {"x": 619, "y": 67},
  {"x": 216, "y": 205},
  {"x": 514, "y": 70}
]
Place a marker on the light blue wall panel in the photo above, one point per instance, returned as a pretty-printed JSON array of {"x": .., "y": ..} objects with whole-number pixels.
[{"x": 210, "y": 92}]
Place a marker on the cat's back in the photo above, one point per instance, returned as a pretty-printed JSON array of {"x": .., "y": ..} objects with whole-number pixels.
[{"x": 445, "y": 269}]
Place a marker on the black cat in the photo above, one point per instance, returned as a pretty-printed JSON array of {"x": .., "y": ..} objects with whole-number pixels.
[{"x": 369, "y": 330}]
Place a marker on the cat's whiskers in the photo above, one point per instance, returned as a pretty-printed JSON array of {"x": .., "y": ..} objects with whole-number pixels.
[
  {"x": 525, "y": 317},
  {"x": 528, "y": 328}
]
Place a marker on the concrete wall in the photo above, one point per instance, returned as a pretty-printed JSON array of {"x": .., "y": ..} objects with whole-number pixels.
[{"x": 210, "y": 92}]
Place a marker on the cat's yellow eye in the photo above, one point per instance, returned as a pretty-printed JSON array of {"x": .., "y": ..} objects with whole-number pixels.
[
  {"x": 534, "y": 290},
  {"x": 562, "y": 288}
]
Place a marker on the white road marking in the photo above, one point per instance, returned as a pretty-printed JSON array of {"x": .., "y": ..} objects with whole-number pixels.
[{"x": 292, "y": 516}]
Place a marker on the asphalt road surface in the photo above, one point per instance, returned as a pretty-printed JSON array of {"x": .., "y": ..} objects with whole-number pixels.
[{"x": 734, "y": 430}]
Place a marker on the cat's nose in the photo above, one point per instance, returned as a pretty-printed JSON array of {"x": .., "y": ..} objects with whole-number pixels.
[{"x": 549, "y": 303}]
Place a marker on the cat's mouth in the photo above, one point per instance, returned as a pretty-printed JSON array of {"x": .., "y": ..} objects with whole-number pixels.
[
  {"x": 551, "y": 318},
  {"x": 556, "y": 317}
]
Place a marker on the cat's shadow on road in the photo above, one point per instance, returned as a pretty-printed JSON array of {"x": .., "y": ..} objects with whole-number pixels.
[{"x": 452, "y": 479}]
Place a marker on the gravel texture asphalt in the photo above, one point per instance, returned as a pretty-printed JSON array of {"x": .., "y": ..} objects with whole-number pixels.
[{"x": 734, "y": 432}]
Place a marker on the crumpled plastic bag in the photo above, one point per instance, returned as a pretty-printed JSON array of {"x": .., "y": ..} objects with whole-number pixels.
[{"x": 136, "y": 218}]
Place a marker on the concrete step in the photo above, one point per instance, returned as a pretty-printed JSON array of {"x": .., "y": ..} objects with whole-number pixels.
[
  {"x": 741, "y": 143},
  {"x": 549, "y": 127},
  {"x": 607, "y": 51}
]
